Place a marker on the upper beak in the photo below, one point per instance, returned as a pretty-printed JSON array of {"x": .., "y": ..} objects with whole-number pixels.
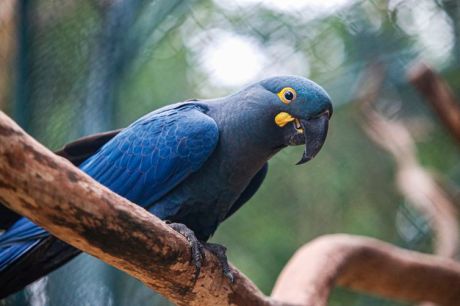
[{"x": 315, "y": 132}]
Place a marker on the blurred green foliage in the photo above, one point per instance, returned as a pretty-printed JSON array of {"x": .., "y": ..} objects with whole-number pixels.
[{"x": 87, "y": 66}]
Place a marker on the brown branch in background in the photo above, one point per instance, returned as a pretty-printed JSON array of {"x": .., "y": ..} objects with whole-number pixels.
[
  {"x": 415, "y": 183},
  {"x": 366, "y": 265},
  {"x": 70, "y": 205},
  {"x": 438, "y": 94},
  {"x": 441, "y": 98},
  {"x": 418, "y": 186},
  {"x": 7, "y": 49}
]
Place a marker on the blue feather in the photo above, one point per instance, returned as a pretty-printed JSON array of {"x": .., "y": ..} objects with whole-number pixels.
[{"x": 142, "y": 163}]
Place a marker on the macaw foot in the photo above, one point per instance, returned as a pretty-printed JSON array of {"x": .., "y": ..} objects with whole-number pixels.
[
  {"x": 197, "y": 249},
  {"x": 196, "y": 246}
]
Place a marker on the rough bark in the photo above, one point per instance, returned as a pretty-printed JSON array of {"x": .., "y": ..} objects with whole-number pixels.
[{"x": 69, "y": 204}]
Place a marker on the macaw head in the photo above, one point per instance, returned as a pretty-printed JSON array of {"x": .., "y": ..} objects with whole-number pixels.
[{"x": 300, "y": 110}]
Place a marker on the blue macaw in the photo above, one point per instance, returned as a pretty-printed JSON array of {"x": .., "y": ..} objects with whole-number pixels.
[{"x": 192, "y": 164}]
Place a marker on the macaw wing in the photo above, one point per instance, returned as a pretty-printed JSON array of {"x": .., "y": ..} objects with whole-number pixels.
[
  {"x": 142, "y": 163},
  {"x": 156, "y": 153}
]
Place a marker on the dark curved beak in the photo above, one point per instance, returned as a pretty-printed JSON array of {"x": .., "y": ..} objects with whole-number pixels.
[{"x": 315, "y": 132}]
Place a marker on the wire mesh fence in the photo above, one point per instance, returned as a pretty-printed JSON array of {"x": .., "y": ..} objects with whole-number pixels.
[{"x": 79, "y": 67}]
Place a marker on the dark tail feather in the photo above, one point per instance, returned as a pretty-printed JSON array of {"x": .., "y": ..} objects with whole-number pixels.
[
  {"x": 48, "y": 255},
  {"x": 7, "y": 217},
  {"x": 79, "y": 150}
]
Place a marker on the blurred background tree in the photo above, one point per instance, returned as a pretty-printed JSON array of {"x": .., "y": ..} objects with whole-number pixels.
[{"x": 71, "y": 68}]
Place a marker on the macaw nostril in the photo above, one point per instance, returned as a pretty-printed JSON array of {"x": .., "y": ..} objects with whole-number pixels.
[
  {"x": 328, "y": 113},
  {"x": 330, "y": 110}
]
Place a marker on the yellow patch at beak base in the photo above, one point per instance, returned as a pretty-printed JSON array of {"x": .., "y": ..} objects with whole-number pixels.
[{"x": 283, "y": 118}]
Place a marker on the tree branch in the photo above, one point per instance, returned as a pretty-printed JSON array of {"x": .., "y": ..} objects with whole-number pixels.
[
  {"x": 414, "y": 181},
  {"x": 416, "y": 184},
  {"x": 69, "y": 204},
  {"x": 366, "y": 265},
  {"x": 439, "y": 95}
]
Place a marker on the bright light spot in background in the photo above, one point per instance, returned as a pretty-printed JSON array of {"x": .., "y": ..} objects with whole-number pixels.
[
  {"x": 430, "y": 24},
  {"x": 231, "y": 60}
]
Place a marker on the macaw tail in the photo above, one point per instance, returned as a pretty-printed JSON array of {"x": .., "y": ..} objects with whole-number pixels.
[{"x": 28, "y": 252}]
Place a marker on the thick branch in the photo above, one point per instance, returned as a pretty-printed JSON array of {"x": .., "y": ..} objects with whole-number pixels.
[
  {"x": 366, "y": 265},
  {"x": 439, "y": 95}
]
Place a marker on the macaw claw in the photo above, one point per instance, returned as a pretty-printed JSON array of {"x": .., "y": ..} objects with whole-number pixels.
[
  {"x": 220, "y": 252},
  {"x": 197, "y": 249}
]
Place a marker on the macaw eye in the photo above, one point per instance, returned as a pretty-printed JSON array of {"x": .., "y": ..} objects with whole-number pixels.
[{"x": 287, "y": 95}]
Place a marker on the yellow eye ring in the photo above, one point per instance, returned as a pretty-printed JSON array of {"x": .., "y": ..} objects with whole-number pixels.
[{"x": 287, "y": 95}]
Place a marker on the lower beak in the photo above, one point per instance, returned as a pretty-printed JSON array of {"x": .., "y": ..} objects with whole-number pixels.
[{"x": 315, "y": 132}]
